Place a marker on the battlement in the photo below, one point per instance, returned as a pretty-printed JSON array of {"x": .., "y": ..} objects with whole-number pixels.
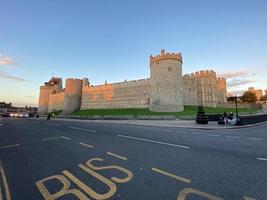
[
  {"x": 201, "y": 73},
  {"x": 221, "y": 79},
  {"x": 166, "y": 56},
  {"x": 139, "y": 81}
]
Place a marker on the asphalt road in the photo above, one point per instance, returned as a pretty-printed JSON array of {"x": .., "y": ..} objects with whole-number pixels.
[{"x": 43, "y": 159}]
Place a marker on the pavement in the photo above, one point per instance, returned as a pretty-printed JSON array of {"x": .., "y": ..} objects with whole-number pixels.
[
  {"x": 61, "y": 159},
  {"x": 164, "y": 123}
]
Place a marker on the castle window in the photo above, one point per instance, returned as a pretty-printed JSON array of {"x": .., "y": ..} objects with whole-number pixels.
[
  {"x": 157, "y": 63},
  {"x": 169, "y": 69}
]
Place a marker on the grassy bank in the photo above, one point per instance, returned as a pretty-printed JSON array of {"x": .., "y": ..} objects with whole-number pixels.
[{"x": 188, "y": 111}]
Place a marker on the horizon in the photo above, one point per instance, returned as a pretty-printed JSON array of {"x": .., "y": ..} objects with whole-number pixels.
[{"x": 112, "y": 41}]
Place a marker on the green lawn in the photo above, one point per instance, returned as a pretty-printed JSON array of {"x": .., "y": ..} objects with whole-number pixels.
[{"x": 189, "y": 111}]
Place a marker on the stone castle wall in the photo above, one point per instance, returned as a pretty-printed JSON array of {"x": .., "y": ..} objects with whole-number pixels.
[
  {"x": 208, "y": 89},
  {"x": 128, "y": 94},
  {"x": 56, "y": 101},
  {"x": 166, "y": 90},
  {"x": 73, "y": 95},
  {"x": 190, "y": 90},
  {"x": 221, "y": 92}
]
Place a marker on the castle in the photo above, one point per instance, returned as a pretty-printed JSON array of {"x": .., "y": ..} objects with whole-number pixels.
[{"x": 167, "y": 90}]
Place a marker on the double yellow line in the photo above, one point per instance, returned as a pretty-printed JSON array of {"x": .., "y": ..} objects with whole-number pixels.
[{"x": 4, "y": 180}]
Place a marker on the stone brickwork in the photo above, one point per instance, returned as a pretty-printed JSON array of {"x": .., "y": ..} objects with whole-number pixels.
[
  {"x": 190, "y": 90},
  {"x": 166, "y": 83},
  {"x": 128, "y": 94},
  {"x": 56, "y": 101},
  {"x": 53, "y": 86},
  {"x": 73, "y": 95},
  {"x": 204, "y": 88},
  {"x": 165, "y": 91},
  {"x": 221, "y": 92}
]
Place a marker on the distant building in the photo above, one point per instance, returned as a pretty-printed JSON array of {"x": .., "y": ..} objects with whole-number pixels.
[
  {"x": 7, "y": 107},
  {"x": 166, "y": 90},
  {"x": 257, "y": 92}
]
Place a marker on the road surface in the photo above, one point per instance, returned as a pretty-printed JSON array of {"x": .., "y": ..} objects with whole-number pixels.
[{"x": 42, "y": 159}]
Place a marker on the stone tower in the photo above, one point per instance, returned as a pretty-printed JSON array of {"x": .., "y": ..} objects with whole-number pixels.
[
  {"x": 166, "y": 82},
  {"x": 53, "y": 85},
  {"x": 73, "y": 95},
  {"x": 222, "y": 94}
]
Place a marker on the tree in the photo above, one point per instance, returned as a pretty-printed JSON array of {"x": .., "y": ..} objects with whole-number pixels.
[{"x": 249, "y": 97}]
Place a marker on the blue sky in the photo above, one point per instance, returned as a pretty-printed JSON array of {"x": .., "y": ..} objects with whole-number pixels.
[{"x": 112, "y": 40}]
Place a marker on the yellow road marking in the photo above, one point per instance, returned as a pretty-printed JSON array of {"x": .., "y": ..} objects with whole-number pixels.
[
  {"x": 117, "y": 156},
  {"x": 248, "y": 198},
  {"x": 172, "y": 175},
  {"x": 66, "y": 138},
  {"x": 86, "y": 145},
  {"x": 115, "y": 179},
  {"x": 183, "y": 194},
  {"x": 12, "y": 145},
  {"x": 112, "y": 186},
  {"x": 65, "y": 190},
  {"x": 2, "y": 173}
]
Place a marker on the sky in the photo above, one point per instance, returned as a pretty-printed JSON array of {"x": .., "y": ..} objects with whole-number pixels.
[{"x": 112, "y": 40}]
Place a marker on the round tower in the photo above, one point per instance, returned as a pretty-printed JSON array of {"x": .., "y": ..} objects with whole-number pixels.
[
  {"x": 73, "y": 95},
  {"x": 166, "y": 82}
]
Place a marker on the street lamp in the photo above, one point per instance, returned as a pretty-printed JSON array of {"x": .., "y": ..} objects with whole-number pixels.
[
  {"x": 238, "y": 120},
  {"x": 236, "y": 111}
]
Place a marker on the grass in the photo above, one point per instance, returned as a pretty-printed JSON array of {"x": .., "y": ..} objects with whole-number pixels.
[
  {"x": 57, "y": 112},
  {"x": 188, "y": 111}
]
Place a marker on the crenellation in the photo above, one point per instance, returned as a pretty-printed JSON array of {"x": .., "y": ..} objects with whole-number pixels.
[{"x": 165, "y": 90}]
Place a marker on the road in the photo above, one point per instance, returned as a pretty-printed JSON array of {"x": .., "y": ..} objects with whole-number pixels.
[{"x": 43, "y": 159}]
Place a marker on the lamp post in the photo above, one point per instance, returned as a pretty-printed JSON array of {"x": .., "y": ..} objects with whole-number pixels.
[
  {"x": 236, "y": 111},
  {"x": 238, "y": 120}
]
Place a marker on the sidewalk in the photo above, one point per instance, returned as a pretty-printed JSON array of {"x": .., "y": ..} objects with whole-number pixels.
[{"x": 160, "y": 123}]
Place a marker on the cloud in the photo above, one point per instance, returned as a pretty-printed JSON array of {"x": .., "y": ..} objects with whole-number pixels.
[
  {"x": 238, "y": 82},
  {"x": 238, "y": 73},
  {"x": 30, "y": 97},
  {"x": 3, "y": 75},
  {"x": 4, "y": 60}
]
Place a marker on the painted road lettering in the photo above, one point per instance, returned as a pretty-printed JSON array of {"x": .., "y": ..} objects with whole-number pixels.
[
  {"x": 67, "y": 178},
  {"x": 62, "y": 192},
  {"x": 5, "y": 184},
  {"x": 190, "y": 191},
  {"x": 115, "y": 179}
]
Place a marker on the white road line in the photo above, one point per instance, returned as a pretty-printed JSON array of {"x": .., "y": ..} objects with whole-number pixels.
[
  {"x": 234, "y": 137},
  {"x": 52, "y": 138},
  {"x": 11, "y": 145},
  {"x": 195, "y": 133},
  {"x": 172, "y": 175},
  {"x": 181, "y": 132},
  {"x": 86, "y": 145},
  {"x": 251, "y": 138},
  {"x": 213, "y": 135},
  {"x": 82, "y": 129},
  {"x": 116, "y": 156},
  {"x": 66, "y": 138},
  {"x": 264, "y": 159},
  {"x": 51, "y": 124},
  {"x": 154, "y": 141},
  {"x": 168, "y": 130}
]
